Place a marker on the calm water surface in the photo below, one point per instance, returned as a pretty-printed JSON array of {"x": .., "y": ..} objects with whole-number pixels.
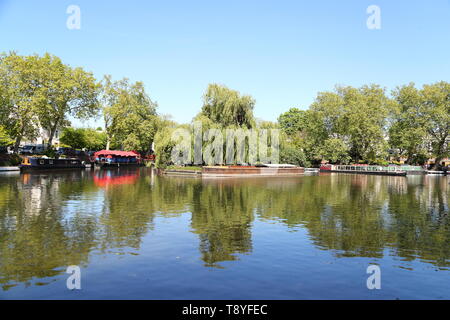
[{"x": 140, "y": 236}]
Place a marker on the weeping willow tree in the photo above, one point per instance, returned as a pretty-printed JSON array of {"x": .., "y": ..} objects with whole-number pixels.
[{"x": 228, "y": 107}]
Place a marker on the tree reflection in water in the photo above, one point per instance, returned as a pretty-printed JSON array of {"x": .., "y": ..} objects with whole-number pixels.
[{"x": 49, "y": 221}]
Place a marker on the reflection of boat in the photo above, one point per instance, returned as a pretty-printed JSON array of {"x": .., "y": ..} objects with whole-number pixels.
[
  {"x": 35, "y": 163},
  {"x": 363, "y": 169},
  {"x": 104, "y": 178},
  {"x": 436, "y": 172},
  {"x": 266, "y": 170},
  {"x": 112, "y": 158}
]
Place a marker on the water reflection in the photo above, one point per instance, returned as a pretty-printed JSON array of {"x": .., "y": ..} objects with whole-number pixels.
[{"x": 50, "y": 221}]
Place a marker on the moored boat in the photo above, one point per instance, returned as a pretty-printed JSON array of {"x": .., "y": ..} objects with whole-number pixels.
[
  {"x": 245, "y": 171},
  {"x": 116, "y": 159},
  {"x": 36, "y": 163},
  {"x": 363, "y": 169}
]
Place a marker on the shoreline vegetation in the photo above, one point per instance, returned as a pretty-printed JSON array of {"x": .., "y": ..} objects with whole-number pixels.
[{"x": 365, "y": 125}]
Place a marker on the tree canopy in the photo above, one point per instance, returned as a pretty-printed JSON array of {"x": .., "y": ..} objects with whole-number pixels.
[
  {"x": 63, "y": 91},
  {"x": 228, "y": 107},
  {"x": 130, "y": 115},
  {"x": 80, "y": 138},
  {"x": 43, "y": 92}
]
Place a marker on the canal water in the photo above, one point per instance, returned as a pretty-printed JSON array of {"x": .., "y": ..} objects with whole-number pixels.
[{"x": 136, "y": 235}]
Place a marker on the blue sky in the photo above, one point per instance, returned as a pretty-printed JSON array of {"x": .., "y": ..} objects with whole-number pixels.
[{"x": 280, "y": 52}]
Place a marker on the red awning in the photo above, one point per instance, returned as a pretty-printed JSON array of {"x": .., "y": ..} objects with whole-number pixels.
[{"x": 115, "y": 153}]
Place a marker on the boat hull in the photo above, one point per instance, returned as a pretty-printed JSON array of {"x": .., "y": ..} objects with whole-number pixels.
[
  {"x": 118, "y": 165},
  {"x": 41, "y": 164},
  {"x": 236, "y": 171},
  {"x": 378, "y": 173}
]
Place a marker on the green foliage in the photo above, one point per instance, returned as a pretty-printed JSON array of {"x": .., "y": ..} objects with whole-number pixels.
[
  {"x": 18, "y": 96},
  {"x": 50, "y": 152},
  {"x": 407, "y": 132},
  {"x": 63, "y": 91},
  {"x": 43, "y": 92},
  {"x": 5, "y": 139},
  {"x": 293, "y": 121},
  {"x": 346, "y": 124},
  {"x": 435, "y": 109},
  {"x": 73, "y": 137},
  {"x": 130, "y": 115},
  {"x": 228, "y": 107},
  {"x": 8, "y": 160},
  {"x": 79, "y": 138},
  {"x": 293, "y": 155},
  {"x": 164, "y": 145},
  {"x": 421, "y": 125},
  {"x": 334, "y": 150}
]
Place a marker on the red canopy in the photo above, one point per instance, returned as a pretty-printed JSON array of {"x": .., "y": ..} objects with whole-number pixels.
[{"x": 113, "y": 153}]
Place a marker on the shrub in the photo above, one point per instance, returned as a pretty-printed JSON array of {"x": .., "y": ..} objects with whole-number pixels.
[{"x": 292, "y": 155}]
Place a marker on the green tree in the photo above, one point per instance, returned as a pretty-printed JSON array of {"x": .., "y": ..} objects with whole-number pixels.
[
  {"x": 18, "y": 97},
  {"x": 63, "y": 91},
  {"x": 335, "y": 150},
  {"x": 355, "y": 116},
  {"x": 5, "y": 139},
  {"x": 293, "y": 121},
  {"x": 228, "y": 107},
  {"x": 421, "y": 125},
  {"x": 408, "y": 132},
  {"x": 291, "y": 154},
  {"x": 130, "y": 115},
  {"x": 80, "y": 138},
  {"x": 95, "y": 139},
  {"x": 435, "y": 110},
  {"x": 163, "y": 147},
  {"x": 76, "y": 138}
]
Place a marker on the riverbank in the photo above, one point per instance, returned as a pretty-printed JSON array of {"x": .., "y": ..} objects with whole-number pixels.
[
  {"x": 235, "y": 171},
  {"x": 7, "y": 169}
]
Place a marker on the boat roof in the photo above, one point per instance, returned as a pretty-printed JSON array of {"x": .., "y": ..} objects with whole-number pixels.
[{"x": 116, "y": 153}]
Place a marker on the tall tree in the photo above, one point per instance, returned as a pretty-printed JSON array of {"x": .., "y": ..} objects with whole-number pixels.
[
  {"x": 293, "y": 121},
  {"x": 355, "y": 116},
  {"x": 436, "y": 111},
  {"x": 130, "y": 115},
  {"x": 408, "y": 132},
  {"x": 18, "y": 111},
  {"x": 80, "y": 138},
  {"x": 63, "y": 91},
  {"x": 228, "y": 107}
]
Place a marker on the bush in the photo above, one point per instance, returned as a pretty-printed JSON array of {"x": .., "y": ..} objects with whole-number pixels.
[
  {"x": 379, "y": 162},
  {"x": 292, "y": 155},
  {"x": 10, "y": 160}
]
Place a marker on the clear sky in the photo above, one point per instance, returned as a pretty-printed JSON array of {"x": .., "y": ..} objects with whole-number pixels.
[{"x": 280, "y": 52}]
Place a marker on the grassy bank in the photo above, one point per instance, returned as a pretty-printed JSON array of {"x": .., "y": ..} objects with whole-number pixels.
[{"x": 187, "y": 168}]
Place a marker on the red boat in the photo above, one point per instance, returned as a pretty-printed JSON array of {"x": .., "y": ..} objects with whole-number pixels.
[{"x": 113, "y": 158}]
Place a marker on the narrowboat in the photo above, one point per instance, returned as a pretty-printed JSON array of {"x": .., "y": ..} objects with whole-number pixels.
[
  {"x": 36, "y": 163},
  {"x": 115, "y": 159},
  {"x": 364, "y": 169},
  {"x": 265, "y": 170}
]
